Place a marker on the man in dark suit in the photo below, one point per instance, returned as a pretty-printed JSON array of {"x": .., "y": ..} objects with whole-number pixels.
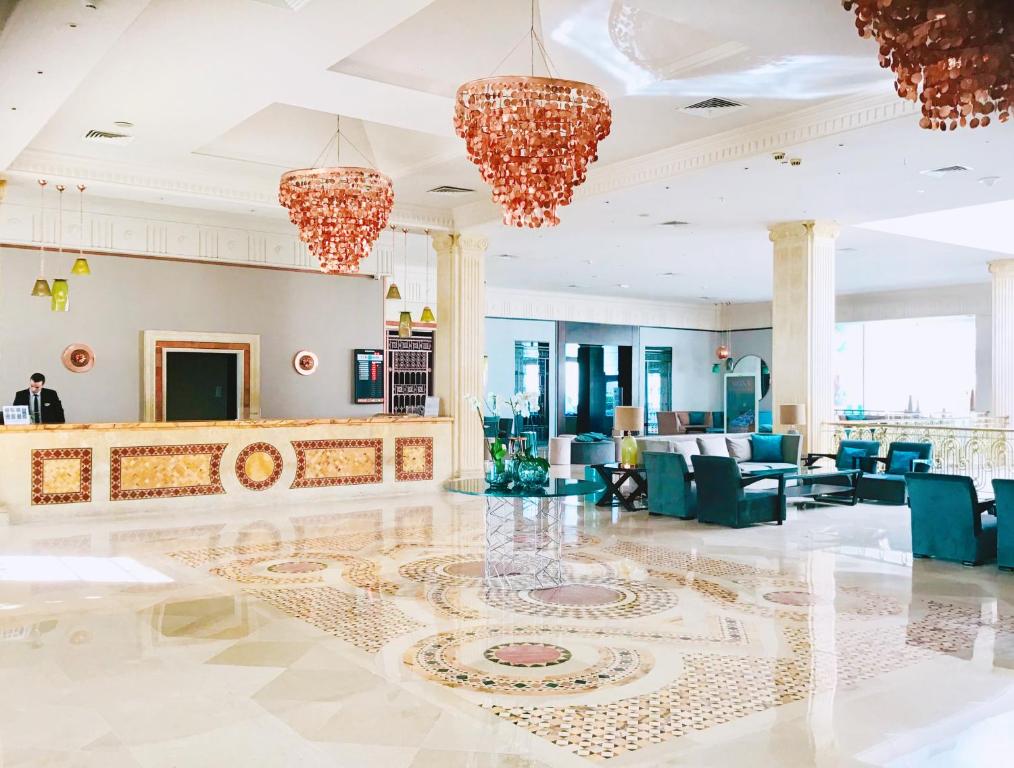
[{"x": 44, "y": 405}]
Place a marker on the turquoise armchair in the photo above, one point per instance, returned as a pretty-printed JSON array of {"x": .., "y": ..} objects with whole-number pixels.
[
  {"x": 849, "y": 454},
  {"x": 723, "y": 500},
  {"x": 1004, "y": 492},
  {"x": 671, "y": 492},
  {"x": 948, "y": 520},
  {"x": 889, "y": 486}
]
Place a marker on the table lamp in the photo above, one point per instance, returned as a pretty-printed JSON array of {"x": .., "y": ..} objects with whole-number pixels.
[
  {"x": 792, "y": 415},
  {"x": 628, "y": 419}
]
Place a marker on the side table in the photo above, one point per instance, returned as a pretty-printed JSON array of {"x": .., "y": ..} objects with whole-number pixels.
[{"x": 614, "y": 475}]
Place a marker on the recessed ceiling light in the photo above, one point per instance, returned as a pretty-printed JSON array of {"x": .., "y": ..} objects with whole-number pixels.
[
  {"x": 507, "y": 256},
  {"x": 72, "y": 25},
  {"x": 38, "y": 71},
  {"x": 588, "y": 261},
  {"x": 667, "y": 274},
  {"x": 622, "y": 285},
  {"x": 644, "y": 215},
  {"x": 573, "y": 285},
  {"x": 123, "y": 124},
  {"x": 989, "y": 181},
  {"x": 845, "y": 250},
  {"x": 14, "y": 109}
]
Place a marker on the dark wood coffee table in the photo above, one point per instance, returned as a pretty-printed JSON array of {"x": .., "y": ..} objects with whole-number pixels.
[{"x": 614, "y": 475}]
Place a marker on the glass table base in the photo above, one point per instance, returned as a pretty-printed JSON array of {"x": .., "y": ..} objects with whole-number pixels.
[{"x": 524, "y": 542}]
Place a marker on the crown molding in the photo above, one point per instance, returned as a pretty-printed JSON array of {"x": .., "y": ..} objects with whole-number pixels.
[
  {"x": 837, "y": 116},
  {"x": 32, "y": 164},
  {"x": 565, "y": 307}
]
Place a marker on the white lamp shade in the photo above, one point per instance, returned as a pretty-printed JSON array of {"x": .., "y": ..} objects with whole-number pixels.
[{"x": 628, "y": 418}]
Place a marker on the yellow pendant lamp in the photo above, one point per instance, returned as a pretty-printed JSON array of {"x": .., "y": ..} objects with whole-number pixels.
[
  {"x": 405, "y": 318},
  {"x": 41, "y": 287},
  {"x": 60, "y": 299},
  {"x": 393, "y": 294},
  {"x": 427, "y": 313},
  {"x": 81, "y": 263}
]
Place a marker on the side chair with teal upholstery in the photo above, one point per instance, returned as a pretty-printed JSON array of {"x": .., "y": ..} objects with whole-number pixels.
[
  {"x": 889, "y": 486},
  {"x": 948, "y": 520},
  {"x": 671, "y": 492},
  {"x": 849, "y": 454},
  {"x": 723, "y": 500},
  {"x": 1003, "y": 490}
]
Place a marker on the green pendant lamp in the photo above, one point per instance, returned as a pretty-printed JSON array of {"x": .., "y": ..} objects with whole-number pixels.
[
  {"x": 427, "y": 313},
  {"x": 41, "y": 287},
  {"x": 393, "y": 294},
  {"x": 405, "y": 318},
  {"x": 81, "y": 263}
]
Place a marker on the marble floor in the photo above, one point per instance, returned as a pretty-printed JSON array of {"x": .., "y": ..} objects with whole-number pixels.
[{"x": 361, "y": 634}]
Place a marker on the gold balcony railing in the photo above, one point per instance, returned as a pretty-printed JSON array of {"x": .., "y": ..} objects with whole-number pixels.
[{"x": 978, "y": 450}]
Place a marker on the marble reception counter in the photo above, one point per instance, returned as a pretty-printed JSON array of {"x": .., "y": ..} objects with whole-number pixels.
[{"x": 82, "y": 469}]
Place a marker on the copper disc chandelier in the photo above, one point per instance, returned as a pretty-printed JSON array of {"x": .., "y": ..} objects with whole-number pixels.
[
  {"x": 340, "y": 211},
  {"x": 956, "y": 57},
  {"x": 532, "y": 138}
]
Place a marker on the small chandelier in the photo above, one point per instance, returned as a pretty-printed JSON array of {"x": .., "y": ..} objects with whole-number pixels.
[
  {"x": 956, "y": 58},
  {"x": 532, "y": 138},
  {"x": 340, "y": 211}
]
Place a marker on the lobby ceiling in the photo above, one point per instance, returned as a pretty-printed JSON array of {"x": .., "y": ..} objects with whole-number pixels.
[{"x": 225, "y": 96}]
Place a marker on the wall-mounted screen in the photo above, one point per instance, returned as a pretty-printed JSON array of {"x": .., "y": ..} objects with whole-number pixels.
[{"x": 368, "y": 371}]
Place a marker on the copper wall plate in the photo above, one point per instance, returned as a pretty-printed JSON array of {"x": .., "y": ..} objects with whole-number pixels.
[
  {"x": 78, "y": 358},
  {"x": 305, "y": 362}
]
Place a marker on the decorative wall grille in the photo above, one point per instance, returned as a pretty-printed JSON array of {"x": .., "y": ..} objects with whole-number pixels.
[{"x": 409, "y": 372}]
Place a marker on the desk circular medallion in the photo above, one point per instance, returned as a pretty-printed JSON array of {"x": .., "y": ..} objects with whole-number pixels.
[
  {"x": 258, "y": 466},
  {"x": 78, "y": 358},
  {"x": 305, "y": 362}
]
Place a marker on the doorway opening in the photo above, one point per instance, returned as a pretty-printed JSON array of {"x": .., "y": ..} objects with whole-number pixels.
[{"x": 201, "y": 386}]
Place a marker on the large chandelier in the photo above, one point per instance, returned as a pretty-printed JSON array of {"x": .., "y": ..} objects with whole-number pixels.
[
  {"x": 532, "y": 138},
  {"x": 956, "y": 57},
  {"x": 340, "y": 211}
]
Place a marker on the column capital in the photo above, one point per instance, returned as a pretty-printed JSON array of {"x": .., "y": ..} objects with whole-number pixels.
[
  {"x": 443, "y": 242},
  {"x": 1002, "y": 268},
  {"x": 788, "y": 230},
  {"x": 472, "y": 243}
]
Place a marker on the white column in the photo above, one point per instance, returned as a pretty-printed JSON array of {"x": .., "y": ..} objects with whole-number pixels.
[
  {"x": 802, "y": 319},
  {"x": 460, "y": 344},
  {"x": 1003, "y": 338}
]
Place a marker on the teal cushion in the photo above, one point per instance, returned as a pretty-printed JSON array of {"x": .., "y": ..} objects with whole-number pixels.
[
  {"x": 901, "y": 462},
  {"x": 766, "y": 447},
  {"x": 591, "y": 437},
  {"x": 698, "y": 418},
  {"x": 847, "y": 458}
]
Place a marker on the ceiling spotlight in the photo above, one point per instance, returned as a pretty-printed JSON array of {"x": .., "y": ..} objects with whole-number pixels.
[
  {"x": 123, "y": 124},
  {"x": 72, "y": 25},
  {"x": 795, "y": 161},
  {"x": 989, "y": 181},
  {"x": 779, "y": 156},
  {"x": 91, "y": 5}
]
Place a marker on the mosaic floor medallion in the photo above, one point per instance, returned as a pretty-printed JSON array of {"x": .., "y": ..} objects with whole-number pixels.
[
  {"x": 610, "y": 599},
  {"x": 297, "y": 567},
  {"x": 465, "y": 660},
  {"x": 527, "y": 654}
]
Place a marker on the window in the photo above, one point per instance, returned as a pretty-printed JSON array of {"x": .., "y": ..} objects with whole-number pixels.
[
  {"x": 531, "y": 374},
  {"x": 911, "y": 366},
  {"x": 657, "y": 384}
]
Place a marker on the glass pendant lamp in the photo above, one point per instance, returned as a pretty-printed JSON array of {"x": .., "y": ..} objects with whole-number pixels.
[
  {"x": 427, "y": 313},
  {"x": 393, "y": 294},
  {"x": 60, "y": 299},
  {"x": 405, "y": 318},
  {"x": 80, "y": 263},
  {"x": 41, "y": 287}
]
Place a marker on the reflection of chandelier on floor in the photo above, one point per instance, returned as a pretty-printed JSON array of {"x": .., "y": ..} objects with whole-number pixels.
[
  {"x": 531, "y": 137},
  {"x": 340, "y": 211},
  {"x": 957, "y": 58}
]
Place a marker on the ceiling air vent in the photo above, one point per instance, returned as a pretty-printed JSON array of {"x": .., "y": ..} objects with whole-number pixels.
[
  {"x": 674, "y": 223},
  {"x": 936, "y": 173},
  {"x": 447, "y": 189},
  {"x": 105, "y": 137},
  {"x": 713, "y": 107}
]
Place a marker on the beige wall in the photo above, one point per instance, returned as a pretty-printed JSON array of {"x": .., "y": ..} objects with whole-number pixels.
[{"x": 124, "y": 296}]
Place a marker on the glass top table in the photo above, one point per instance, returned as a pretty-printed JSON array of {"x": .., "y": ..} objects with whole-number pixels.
[
  {"x": 523, "y": 530},
  {"x": 829, "y": 485},
  {"x": 556, "y": 487}
]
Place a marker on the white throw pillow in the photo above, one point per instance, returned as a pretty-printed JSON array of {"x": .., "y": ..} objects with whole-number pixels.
[
  {"x": 686, "y": 449},
  {"x": 740, "y": 448},
  {"x": 713, "y": 445}
]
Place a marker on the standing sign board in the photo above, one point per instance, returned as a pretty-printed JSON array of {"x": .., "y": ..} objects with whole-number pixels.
[
  {"x": 740, "y": 402},
  {"x": 16, "y": 414}
]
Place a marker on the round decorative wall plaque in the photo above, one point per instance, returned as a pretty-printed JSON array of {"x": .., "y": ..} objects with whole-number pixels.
[
  {"x": 78, "y": 358},
  {"x": 305, "y": 362}
]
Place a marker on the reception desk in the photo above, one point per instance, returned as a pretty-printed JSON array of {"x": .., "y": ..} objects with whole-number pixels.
[{"x": 72, "y": 470}]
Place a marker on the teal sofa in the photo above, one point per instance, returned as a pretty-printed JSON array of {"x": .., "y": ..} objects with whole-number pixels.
[
  {"x": 671, "y": 492},
  {"x": 1003, "y": 490},
  {"x": 948, "y": 520},
  {"x": 889, "y": 486},
  {"x": 722, "y": 497}
]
